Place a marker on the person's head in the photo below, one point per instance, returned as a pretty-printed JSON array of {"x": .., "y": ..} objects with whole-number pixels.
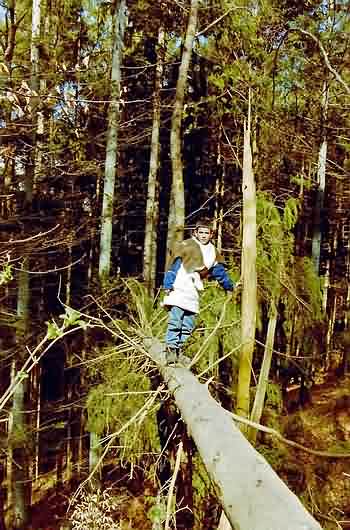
[{"x": 203, "y": 231}]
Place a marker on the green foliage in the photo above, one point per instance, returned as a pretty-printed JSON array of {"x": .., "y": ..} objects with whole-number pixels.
[
  {"x": 301, "y": 180},
  {"x": 203, "y": 490},
  {"x": 290, "y": 213},
  {"x": 148, "y": 317},
  {"x": 116, "y": 401},
  {"x": 200, "y": 480},
  {"x": 311, "y": 288},
  {"x": 275, "y": 242},
  {"x": 70, "y": 318},
  {"x": 275, "y": 455},
  {"x": 6, "y": 274},
  {"x": 218, "y": 329},
  {"x": 20, "y": 437},
  {"x": 274, "y": 397},
  {"x": 342, "y": 446},
  {"x": 157, "y": 513},
  {"x": 53, "y": 330}
]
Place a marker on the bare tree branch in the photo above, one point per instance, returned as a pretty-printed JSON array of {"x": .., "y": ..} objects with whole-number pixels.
[{"x": 326, "y": 59}]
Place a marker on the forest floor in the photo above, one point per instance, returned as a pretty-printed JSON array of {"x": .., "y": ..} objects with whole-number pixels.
[{"x": 322, "y": 483}]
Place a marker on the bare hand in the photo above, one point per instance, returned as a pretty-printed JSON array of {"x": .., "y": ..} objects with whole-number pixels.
[{"x": 229, "y": 295}]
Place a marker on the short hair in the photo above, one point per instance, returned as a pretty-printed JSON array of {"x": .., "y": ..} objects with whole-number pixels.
[{"x": 204, "y": 222}]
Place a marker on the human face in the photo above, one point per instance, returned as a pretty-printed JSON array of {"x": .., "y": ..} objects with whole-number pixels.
[{"x": 203, "y": 235}]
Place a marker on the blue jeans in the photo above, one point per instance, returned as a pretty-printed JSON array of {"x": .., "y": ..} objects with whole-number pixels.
[{"x": 180, "y": 326}]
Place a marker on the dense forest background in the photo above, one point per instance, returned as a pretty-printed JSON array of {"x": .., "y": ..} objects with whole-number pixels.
[{"x": 121, "y": 124}]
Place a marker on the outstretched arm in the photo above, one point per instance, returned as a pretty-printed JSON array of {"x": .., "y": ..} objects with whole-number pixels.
[{"x": 219, "y": 273}]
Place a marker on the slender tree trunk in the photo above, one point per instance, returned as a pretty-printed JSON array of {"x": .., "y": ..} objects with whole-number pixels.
[
  {"x": 321, "y": 181},
  {"x": 259, "y": 400},
  {"x": 10, "y": 497},
  {"x": 94, "y": 453},
  {"x": 249, "y": 302},
  {"x": 34, "y": 85},
  {"x": 119, "y": 24},
  {"x": 21, "y": 468},
  {"x": 80, "y": 463},
  {"x": 18, "y": 496},
  {"x": 35, "y": 388},
  {"x": 9, "y": 158},
  {"x": 152, "y": 207},
  {"x": 330, "y": 326},
  {"x": 219, "y": 194},
  {"x": 19, "y": 490},
  {"x": 177, "y": 198}
]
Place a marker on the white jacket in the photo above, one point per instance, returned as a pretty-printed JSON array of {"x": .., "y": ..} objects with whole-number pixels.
[{"x": 185, "y": 292}]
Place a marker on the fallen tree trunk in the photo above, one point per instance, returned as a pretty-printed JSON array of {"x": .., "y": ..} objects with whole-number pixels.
[{"x": 251, "y": 493}]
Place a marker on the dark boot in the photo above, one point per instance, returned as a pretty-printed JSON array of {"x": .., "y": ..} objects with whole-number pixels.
[{"x": 171, "y": 355}]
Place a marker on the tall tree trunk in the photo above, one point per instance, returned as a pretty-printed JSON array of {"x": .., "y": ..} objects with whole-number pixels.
[
  {"x": 259, "y": 400},
  {"x": 177, "y": 197},
  {"x": 249, "y": 302},
  {"x": 36, "y": 389},
  {"x": 219, "y": 194},
  {"x": 176, "y": 220},
  {"x": 152, "y": 207},
  {"x": 18, "y": 453},
  {"x": 18, "y": 448},
  {"x": 119, "y": 24},
  {"x": 8, "y": 171},
  {"x": 321, "y": 181},
  {"x": 34, "y": 85},
  {"x": 251, "y": 493}
]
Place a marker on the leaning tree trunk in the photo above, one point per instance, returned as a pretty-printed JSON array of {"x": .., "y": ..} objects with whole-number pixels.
[
  {"x": 251, "y": 493},
  {"x": 259, "y": 400},
  {"x": 152, "y": 207},
  {"x": 249, "y": 302},
  {"x": 177, "y": 197},
  {"x": 119, "y": 24}
]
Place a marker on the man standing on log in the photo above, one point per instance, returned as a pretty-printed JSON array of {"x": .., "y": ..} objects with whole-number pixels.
[{"x": 189, "y": 263}]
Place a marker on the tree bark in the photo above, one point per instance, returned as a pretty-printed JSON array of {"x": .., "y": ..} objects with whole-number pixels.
[
  {"x": 321, "y": 181},
  {"x": 251, "y": 493},
  {"x": 248, "y": 312},
  {"x": 264, "y": 371},
  {"x": 177, "y": 198},
  {"x": 34, "y": 85},
  {"x": 219, "y": 194},
  {"x": 152, "y": 207},
  {"x": 119, "y": 25},
  {"x": 18, "y": 492}
]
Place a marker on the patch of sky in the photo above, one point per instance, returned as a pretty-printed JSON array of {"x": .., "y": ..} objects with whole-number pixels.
[{"x": 69, "y": 102}]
